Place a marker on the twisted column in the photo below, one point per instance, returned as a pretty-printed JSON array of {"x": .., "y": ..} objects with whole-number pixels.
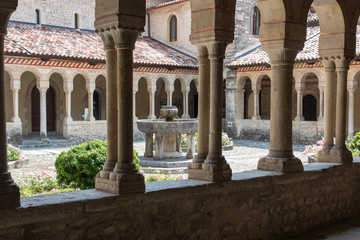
[{"x": 280, "y": 157}]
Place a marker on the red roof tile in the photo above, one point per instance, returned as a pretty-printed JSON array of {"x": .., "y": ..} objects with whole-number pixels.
[{"x": 33, "y": 40}]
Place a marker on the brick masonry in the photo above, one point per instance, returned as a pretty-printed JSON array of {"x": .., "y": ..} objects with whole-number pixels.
[{"x": 254, "y": 205}]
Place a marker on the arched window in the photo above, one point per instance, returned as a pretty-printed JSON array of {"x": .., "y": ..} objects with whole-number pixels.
[
  {"x": 256, "y": 21},
  {"x": 37, "y": 16},
  {"x": 76, "y": 21},
  {"x": 173, "y": 29}
]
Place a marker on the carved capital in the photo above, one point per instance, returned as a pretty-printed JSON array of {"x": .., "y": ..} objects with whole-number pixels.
[
  {"x": 217, "y": 49},
  {"x": 107, "y": 39},
  {"x": 124, "y": 38},
  {"x": 282, "y": 58}
]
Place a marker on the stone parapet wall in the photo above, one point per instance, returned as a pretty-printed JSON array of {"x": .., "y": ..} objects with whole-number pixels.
[
  {"x": 14, "y": 133},
  {"x": 83, "y": 131},
  {"x": 254, "y": 205},
  {"x": 305, "y": 132}
]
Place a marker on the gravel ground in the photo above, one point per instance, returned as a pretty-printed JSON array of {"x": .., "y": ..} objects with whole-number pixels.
[{"x": 243, "y": 157}]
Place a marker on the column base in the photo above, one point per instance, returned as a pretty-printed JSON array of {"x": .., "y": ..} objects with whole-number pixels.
[
  {"x": 335, "y": 155},
  {"x": 185, "y": 116},
  {"x": 280, "y": 164},
  {"x": 214, "y": 169},
  {"x": 120, "y": 183},
  {"x": 256, "y": 117},
  {"x": 299, "y": 119},
  {"x": 9, "y": 192},
  {"x": 91, "y": 119}
]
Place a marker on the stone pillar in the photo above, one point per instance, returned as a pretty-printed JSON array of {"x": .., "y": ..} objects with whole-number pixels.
[
  {"x": 149, "y": 146},
  {"x": 256, "y": 115},
  {"x": 241, "y": 93},
  {"x": 169, "y": 96},
  {"x": 341, "y": 152},
  {"x": 195, "y": 169},
  {"x": 43, "y": 122},
  {"x": 111, "y": 106},
  {"x": 152, "y": 103},
  {"x": 321, "y": 105},
  {"x": 215, "y": 167},
  {"x": 231, "y": 103},
  {"x": 186, "y": 104},
  {"x": 15, "y": 87},
  {"x": 68, "y": 88},
  {"x": 351, "y": 115},
  {"x": 337, "y": 152},
  {"x": 280, "y": 157},
  {"x": 9, "y": 191},
  {"x": 299, "y": 90},
  {"x": 134, "y": 104},
  {"x": 90, "y": 89},
  {"x": 190, "y": 146}
]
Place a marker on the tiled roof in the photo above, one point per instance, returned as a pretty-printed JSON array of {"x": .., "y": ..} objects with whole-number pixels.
[
  {"x": 166, "y": 4},
  {"x": 257, "y": 56},
  {"x": 32, "y": 40}
]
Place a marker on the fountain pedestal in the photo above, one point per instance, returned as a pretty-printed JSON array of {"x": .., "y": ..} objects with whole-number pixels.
[{"x": 167, "y": 146}]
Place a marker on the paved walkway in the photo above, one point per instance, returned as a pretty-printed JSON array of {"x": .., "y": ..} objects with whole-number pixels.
[{"x": 347, "y": 230}]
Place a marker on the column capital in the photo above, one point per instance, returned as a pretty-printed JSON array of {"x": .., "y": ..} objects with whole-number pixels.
[
  {"x": 90, "y": 87},
  {"x": 217, "y": 49},
  {"x": 15, "y": 84},
  {"x": 202, "y": 52},
  {"x": 299, "y": 87},
  {"x": 43, "y": 89},
  {"x": 68, "y": 86},
  {"x": 124, "y": 38},
  {"x": 282, "y": 57},
  {"x": 108, "y": 40}
]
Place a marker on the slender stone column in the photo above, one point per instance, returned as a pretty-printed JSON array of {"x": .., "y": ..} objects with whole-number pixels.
[
  {"x": 90, "y": 116},
  {"x": 111, "y": 105},
  {"x": 169, "y": 97},
  {"x": 256, "y": 115},
  {"x": 9, "y": 191},
  {"x": 339, "y": 151},
  {"x": 215, "y": 167},
  {"x": 195, "y": 169},
  {"x": 43, "y": 122},
  {"x": 299, "y": 91},
  {"x": 351, "y": 115},
  {"x": 321, "y": 108},
  {"x": 68, "y": 119},
  {"x": 134, "y": 105},
  {"x": 186, "y": 104},
  {"x": 125, "y": 173},
  {"x": 280, "y": 157},
  {"x": 15, "y": 118},
  {"x": 152, "y": 104},
  {"x": 241, "y": 93}
]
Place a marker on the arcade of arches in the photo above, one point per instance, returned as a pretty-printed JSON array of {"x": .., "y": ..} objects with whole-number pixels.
[{"x": 280, "y": 199}]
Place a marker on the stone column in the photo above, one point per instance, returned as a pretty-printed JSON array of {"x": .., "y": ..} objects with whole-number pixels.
[
  {"x": 43, "y": 115},
  {"x": 186, "y": 104},
  {"x": 149, "y": 146},
  {"x": 321, "y": 105},
  {"x": 351, "y": 115},
  {"x": 15, "y": 87},
  {"x": 341, "y": 153},
  {"x": 134, "y": 104},
  {"x": 169, "y": 96},
  {"x": 280, "y": 157},
  {"x": 90, "y": 89},
  {"x": 9, "y": 191},
  {"x": 241, "y": 93},
  {"x": 111, "y": 106},
  {"x": 230, "y": 103},
  {"x": 256, "y": 115},
  {"x": 299, "y": 90},
  {"x": 195, "y": 169},
  {"x": 190, "y": 146},
  {"x": 329, "y": 111},
  {"x": 68, "y": 88},
  {"x": 215, "y": 167},
  {"x": 152, "y": 103}
]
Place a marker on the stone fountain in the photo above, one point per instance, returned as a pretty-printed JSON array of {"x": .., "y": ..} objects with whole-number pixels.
[{"x": 168, "y": 129}]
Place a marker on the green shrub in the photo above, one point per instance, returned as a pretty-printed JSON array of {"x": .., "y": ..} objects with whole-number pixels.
[
  {"x": 354, "y": 145},
  {"x": 78, "y": 166}
]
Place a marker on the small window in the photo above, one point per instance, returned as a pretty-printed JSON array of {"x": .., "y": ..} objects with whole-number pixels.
[
  {"x": 37, "y": 16},
  {"x": 256, "y": 21},
  {"x": 173, "y": 29},
  {"x": 76, "y": 21}
]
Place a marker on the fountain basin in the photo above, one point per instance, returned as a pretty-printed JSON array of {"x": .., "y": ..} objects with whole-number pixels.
[{"x": 168, "y": 137}]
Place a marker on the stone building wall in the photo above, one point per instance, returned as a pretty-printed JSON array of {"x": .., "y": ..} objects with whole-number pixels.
[
  {"x": 254, "y": 205},
  {"x": 56, "y": 13}
]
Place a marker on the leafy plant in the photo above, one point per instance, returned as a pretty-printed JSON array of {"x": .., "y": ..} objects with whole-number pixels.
[
  {"x": 354, "y": 145},
  {"x": 78, "y": 166},
  {"x": 14, "y": 154}
]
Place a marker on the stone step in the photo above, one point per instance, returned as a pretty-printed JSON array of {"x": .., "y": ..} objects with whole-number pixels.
[
  {"x": 166, "y": 163},
  {"x": 180, "y": 170}
]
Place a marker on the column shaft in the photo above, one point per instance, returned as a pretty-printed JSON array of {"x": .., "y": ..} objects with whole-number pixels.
[
  {"x": 68, "y": 104},
  {"x": 43, "y": 123},
  {"x": 256, "y": 115},
  {"x": 152, "y": 105},
  {"x": 90, "y": 105},
  {"x": 111, "y": 113},
  {"x": 280, "y": 157},
  {"x": 321, "y": 108},
  {"x": 351, "y": 113},
  {"x": 15, "y": 117},
  {"x": 341, "y": 100},
  {"x": 299, "y": 116},
  {"x": 329, "y": 108},
  {"x": 169, "y": 98},
  {"x": 134, "y": 105}
]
